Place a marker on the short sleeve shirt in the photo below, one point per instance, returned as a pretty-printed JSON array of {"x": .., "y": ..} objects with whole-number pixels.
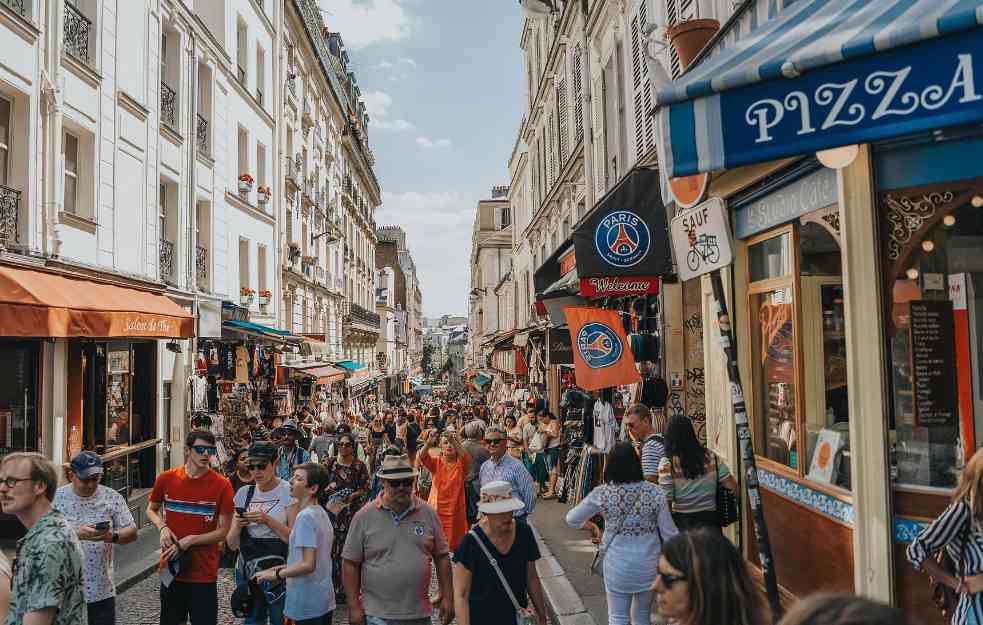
[
  {"x": 311, "y": 596},
  {"x": 49, "y": 573},
  {"x": 652, "y": 452},
  {"x": 396, "y": 553},
  {"x": 489, "y": 603},
  {"x": 273, "y": 502},
  {"x": 104, "y": 505}
]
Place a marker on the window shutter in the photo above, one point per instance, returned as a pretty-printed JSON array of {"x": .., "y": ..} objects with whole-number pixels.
[
  {"x": 578, "y": 95},
  {"x": 638, "y": 79},
  {"x": 551, "y": 148},
  {"x": 562, "y": 123},
  {"x": 598, "y": 102},
  {"x": 672, "y": 18}
]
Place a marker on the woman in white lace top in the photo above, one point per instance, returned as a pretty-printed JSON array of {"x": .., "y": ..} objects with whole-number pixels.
[{"x": 637, "y": 521}]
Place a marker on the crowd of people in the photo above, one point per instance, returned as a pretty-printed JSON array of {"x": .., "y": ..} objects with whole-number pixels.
[{"x": 368, "y": 510}]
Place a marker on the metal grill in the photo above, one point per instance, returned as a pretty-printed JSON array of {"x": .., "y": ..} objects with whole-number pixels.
[{"x": 77, "y": 29}]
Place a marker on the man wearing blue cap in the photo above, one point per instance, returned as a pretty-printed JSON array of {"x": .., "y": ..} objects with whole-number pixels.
[{"x": 101, "y": 519}]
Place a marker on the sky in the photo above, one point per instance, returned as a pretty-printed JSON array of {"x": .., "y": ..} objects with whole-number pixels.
[{"x": 442, "y": 80}]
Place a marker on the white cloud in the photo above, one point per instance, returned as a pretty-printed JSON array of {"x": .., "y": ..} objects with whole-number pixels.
[
  {"x": 364, "y": 22},
  {"x": 408, "y": 61},
  {"x": 378, "y": 104},
  {"x": 427, "y": 142},
  {"x": 400, "y": 69}
]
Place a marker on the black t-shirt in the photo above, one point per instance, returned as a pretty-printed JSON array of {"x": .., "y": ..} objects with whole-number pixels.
[
  {"x": 489, "y": 603},
  {"x": 412, "y": 435}
]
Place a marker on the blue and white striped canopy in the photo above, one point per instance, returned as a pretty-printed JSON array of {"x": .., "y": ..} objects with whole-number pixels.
[{"x": 824, "y": 73}]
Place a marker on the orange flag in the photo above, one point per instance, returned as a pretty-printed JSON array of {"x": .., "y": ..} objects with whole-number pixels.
[{"x": 601, "y": 352}]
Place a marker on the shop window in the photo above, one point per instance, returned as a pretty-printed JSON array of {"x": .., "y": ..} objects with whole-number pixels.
[
  {"x": 118, "y": 395},
  {"x": 18, "y": 396}
]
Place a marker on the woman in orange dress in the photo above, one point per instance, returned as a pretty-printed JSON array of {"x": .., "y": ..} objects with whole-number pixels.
[{"x": 449, "y": 469}]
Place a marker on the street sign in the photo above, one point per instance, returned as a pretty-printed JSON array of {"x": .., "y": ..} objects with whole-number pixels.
[
  {"x": 701, "y": 239},
  {"x": 688, "y": 191}
]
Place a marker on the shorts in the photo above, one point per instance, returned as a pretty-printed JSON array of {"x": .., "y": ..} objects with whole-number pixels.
[
  {"x": 552, "y": 457},
  {"x": 188, "y": 602}
]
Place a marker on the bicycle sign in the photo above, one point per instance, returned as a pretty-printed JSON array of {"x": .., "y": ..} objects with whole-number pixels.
[{"x": 701, "y": 239}]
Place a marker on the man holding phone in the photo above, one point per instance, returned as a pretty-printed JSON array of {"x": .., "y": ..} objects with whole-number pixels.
[{"x": 101, "y": 519}]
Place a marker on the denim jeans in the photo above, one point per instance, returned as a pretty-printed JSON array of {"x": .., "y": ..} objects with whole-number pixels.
[
  {"x": 634, "y": 608},
  {"x": 102, "y": 612},
  {"x": 263, "y": 610}
]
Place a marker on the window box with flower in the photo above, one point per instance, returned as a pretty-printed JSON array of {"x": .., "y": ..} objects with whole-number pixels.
[
  {"x": 245, "y": 183},
  {"x": 263, "y": 195},
  {"x": 265, "y": 296},
  {"x": 246, "y": 295}
]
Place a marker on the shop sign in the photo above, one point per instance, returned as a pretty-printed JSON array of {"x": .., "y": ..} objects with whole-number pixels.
[
  {"x": 618, "y": 286},
  {"x": 560, "y": 348},
  {"x": 209, "y": 320},
  {"x": 900, "y": 92},
  {"x": 145, "y": 325},
  {"x": 815, "y": 191},
  {"x": 568, "y": 262},
  {"x": 933, "y": 359},
  {"x": 701, "y": 239}
]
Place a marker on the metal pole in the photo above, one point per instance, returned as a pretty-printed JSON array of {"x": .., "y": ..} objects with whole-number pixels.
[{"x": 762, "y": 541}]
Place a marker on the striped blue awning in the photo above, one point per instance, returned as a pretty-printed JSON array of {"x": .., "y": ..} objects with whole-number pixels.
[{"x": 824, "y": 73}]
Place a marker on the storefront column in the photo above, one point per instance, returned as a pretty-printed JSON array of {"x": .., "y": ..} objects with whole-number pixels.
[
  {"x": 866, "y": 375},
  {"x": 675, "y": 350},
  {"x": 56, "y": 353}
]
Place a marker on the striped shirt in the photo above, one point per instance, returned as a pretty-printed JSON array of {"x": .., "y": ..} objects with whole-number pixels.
[
  {"x": 510, "y": 470},
  {"x": 950, "y": 531},
  {"x": 653, "y": 450},
  {"x": 692, "y": 495}
]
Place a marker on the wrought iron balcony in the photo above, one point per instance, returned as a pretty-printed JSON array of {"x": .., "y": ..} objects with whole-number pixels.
[
  {"x": 166, "y": 259},
  {"x": 168, "y": 105},
  {"x": 362, "y": 317},
  {"x": 77, "y": 30},
  {"x": 201, "y": 263},
  {"x": 9, "y": 213},
  {"x": 202, "y": 134},
  {"x": 18, "y": 6}
]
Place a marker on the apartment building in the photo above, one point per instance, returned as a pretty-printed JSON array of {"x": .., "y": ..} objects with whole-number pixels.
[
  {"x": 490, "y": 301},
  {"x": 393, "y": 251}
]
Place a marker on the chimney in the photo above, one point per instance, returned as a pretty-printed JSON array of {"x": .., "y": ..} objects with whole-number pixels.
[{"x": 688, "y": 38}]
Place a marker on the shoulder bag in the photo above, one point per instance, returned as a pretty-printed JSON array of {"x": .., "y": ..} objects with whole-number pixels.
[
  {"x": 728, "y": 511},
  {"x": 522, "y": 616},
  {"x": 259, "y": 554},
  {"x": 944, "y": 597},
  {"x": 597, "y": 564}
]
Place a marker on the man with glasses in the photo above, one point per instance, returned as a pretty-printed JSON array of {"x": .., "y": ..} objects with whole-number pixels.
[
  {"x": 503, "y": 466},
  {"x": 197, "y": 511},
  {"x": 648, "y": 441},
  {"x": 101, "y": 520},
  {"x": 290, "y": 455},
  {"x": 47, "y": 582},
  {"x": 387, "y": 557}
]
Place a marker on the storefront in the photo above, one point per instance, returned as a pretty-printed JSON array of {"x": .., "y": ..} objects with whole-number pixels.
[{"x": 854, "y": 286}]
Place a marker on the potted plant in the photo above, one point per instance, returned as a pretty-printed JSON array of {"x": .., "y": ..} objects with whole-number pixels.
[
  {"x": 245, "y": 183},
  {"x": 246, "y": 295},
  {"x": 264, "y": 194},
  {"x": 264, "y": 297},
  {"x": 689, "y": 37}
]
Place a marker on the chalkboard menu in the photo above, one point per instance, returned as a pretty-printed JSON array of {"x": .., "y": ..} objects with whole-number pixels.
[{"x": 933, "y": 362}]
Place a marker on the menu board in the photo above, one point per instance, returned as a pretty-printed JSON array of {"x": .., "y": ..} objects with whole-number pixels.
[{"x": 933, "y": 362}]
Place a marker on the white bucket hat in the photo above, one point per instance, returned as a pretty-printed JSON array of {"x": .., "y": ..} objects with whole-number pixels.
[{"x": 496, "y": 498}]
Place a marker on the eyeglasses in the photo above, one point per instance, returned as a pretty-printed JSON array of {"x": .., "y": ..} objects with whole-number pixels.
[
  {"x": 403, "y": 483},
  {"x": 493, "y": 441},
  {"x": 668, "y": 579},
  {"x": 12, "y": 482},
  {"x": 257, "y": 466},
  {"x": 205, "y": 449},
  {"x": 344, "y": 444}
]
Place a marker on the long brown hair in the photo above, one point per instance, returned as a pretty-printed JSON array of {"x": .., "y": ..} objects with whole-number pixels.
[
  {"x": 969, "y": 486},
  {"x": 843, "y": 609},
  {"x": 720, "y": 588}
]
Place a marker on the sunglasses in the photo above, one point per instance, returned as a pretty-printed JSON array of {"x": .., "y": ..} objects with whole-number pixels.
[
  {"x": 668, "y": 579},
  {"x": 494, "y": 441},
  {"x": 403, "y": 483},
  {"x": 205, "y": 449},
  {"x": 257, "y": 466},
  {"x": 344, "y": 444}
]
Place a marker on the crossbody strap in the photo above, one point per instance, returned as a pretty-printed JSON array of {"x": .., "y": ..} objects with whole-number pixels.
[{"x": 498, "y": 571}]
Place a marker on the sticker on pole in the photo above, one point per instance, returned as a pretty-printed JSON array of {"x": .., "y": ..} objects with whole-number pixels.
[{"x": 701, "y": 239}]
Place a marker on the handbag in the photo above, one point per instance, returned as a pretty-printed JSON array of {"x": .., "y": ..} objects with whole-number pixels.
[
  {"x": 728, "y": 511},
  {"x": 596, "y": 564},
  {"x": 944, "y": 597},
  {"x": 522, "y": 617},
  {"x": 259, "y": 554}
]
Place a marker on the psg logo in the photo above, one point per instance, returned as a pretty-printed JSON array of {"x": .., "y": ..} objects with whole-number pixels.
[
  {"x": 599, "y": 345},
  {"x": 622, "y": 239}
]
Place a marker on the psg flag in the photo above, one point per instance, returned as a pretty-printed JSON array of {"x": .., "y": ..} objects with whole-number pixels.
[{"x": 601, "y": 353}]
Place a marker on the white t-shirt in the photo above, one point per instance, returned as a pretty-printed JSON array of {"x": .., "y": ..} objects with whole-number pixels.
[
  {"x": 273, "y": 502},
  {"x": 605, "y": 427},
  {"x": 312, "y": 595},
  {"x": 105, "y": 505}
]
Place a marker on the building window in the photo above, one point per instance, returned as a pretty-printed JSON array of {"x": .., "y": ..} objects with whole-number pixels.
[
  {"x": 260, "y": 165},
  {"x": 260, "y": 74},
  {"x": 506, "y": 217},
  {"x": 70, "y": 149},
  {"x": 4, "y": 140},
  {"x": 243, "y": 264},
  {"x": 241, "y": 52},
  {"x": 243, "y": 151},
  {"x": 261, "y": 267},
  {"x": 19, "y": 368}
]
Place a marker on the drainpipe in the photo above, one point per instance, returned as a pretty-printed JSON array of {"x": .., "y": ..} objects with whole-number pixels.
[{"x": 51, "y": 131}]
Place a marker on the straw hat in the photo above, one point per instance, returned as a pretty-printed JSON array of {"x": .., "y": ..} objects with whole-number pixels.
[
  {"x": 396, "y": 468},
  {"x": 496, "y": 498}
]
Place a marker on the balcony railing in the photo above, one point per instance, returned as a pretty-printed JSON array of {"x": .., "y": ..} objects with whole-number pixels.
[
  {"x": 201, "y": 263},
  {"x": 77, "y": 30},
  {"x": 18, "y": 6},
  {"x": 9, "y": 212},
  {"x": 166, "y": 259},
  {"x": 202, "y": 134},
  {"x": 357, "y": 314},
  {"x": 168, "y": 105}
]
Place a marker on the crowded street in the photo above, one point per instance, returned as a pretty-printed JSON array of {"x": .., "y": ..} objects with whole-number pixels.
[{"x": 494, "y": 312}]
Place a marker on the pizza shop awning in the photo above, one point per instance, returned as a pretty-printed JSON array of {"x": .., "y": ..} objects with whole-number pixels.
[
  {"x": 36, "y": 303},
  {"x": 823, "y": 74}
]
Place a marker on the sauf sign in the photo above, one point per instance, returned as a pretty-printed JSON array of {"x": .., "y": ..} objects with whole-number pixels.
[{"x": 701, "y": 239}]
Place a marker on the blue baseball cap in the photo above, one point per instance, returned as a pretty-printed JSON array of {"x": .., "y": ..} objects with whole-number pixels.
[{"x": 86, "y": 465}]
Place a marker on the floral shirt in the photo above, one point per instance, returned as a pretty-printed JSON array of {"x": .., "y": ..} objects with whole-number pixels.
[
  {"x": 48, "y": 573},
  {"x": 105, "y": 505}
]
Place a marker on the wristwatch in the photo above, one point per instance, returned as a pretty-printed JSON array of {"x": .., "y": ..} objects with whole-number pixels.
[{"x": 115, "y": 537}]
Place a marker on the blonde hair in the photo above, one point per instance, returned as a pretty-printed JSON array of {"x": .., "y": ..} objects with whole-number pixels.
[
  {"x": 969, "y": 486},
  {"x": 41, "y": 470}
]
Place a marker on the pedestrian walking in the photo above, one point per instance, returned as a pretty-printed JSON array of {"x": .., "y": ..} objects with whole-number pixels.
[
  {"x": 323, "y": 440},
  {"x": 260, "y": 530},
  {"x": 238, "y": 472},
  {"x": 689, "y": 475},
  {"x": 290, "y": 454},
  {"x": 192, "y": 507},
  {"x": 958, "y": 530},
  {"x": 391, "y": 547},
  {"x": 842, "y": 609},
  {"x": 702, "y": 580},
  {"x": 501, "y": 466},
  {"x": 310, "y": 593},
  {"x": 449, "y": 469},
  {"x": 648, "y": 439},
  {"x": 549, "y": 432},
  {"x": 345, "y": 473},
  {"x": 495, "y": 566},
  {"x": 47, "y": 586},
  {"x": 101, "y": 520},
  {"x": 473, "y": 433},
  {"x": 637, "y": 523}
]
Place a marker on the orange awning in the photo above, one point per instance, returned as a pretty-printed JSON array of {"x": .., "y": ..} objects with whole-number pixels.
[
  {"x": 324, "y": 374},
  {"x": 41, "y": 304}
]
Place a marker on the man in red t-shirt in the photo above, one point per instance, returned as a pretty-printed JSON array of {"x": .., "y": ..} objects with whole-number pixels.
[{"x": 197, "y": 512}]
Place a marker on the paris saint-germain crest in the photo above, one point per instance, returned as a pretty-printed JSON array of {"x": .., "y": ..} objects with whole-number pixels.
[
  {"x": 622, "y": 239},
  {"x": 599, "y": 345}
]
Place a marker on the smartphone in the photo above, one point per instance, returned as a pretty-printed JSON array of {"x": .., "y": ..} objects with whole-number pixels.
[
  {"x": 240, "y": 511},
  {"x": 102, "y": 526}
]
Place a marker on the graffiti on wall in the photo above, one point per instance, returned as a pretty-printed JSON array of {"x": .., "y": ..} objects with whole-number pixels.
[{"x": 695, "y": 386}]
